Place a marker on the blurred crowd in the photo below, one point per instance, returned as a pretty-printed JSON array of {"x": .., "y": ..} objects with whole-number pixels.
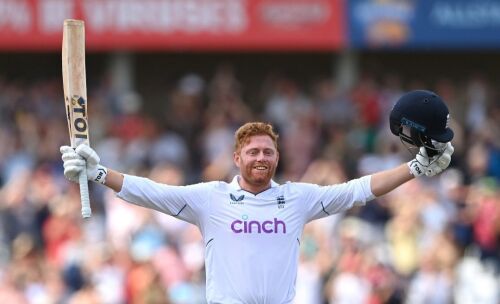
[{"x": 433, "y": 240}]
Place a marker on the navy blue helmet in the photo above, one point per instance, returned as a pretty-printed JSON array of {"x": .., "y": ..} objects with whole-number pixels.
[{"x": 420, "y": 117}]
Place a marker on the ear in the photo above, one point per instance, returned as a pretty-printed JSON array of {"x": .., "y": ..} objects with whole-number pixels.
[{"x": 236, "y": 158}]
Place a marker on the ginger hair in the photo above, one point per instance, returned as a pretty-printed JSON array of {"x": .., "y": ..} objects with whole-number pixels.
[{"x": 243, "y": 134}]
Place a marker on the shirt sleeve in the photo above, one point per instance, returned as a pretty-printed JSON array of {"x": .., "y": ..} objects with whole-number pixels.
[
  {"x": 323, "y": 201},
  {"x": 184, "y": 202}
]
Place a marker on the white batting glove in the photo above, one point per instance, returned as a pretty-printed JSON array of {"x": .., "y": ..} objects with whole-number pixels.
[
  {"x": 419, "y": 164},
  {"x": 431, "y": 166},
  {"x": 82, "y": 158},
  {"x": 440, "y": 162}
]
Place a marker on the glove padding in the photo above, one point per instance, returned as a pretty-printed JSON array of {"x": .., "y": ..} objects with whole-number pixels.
[
  {"x": 82, "y": 158},
  {"x": 431, "y": 166}
]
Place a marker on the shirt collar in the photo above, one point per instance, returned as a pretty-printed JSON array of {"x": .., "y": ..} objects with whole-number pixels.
[{"x": 235, "y": 185}]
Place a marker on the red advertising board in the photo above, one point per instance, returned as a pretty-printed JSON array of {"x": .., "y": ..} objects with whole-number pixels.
[{"x": 176, "y": 24}]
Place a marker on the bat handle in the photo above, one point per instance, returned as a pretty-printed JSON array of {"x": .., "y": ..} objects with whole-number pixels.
[{"x": 84, "y": 194}]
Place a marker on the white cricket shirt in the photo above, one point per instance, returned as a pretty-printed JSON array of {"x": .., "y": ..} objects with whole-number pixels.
[{"x": 252, "y": 241}]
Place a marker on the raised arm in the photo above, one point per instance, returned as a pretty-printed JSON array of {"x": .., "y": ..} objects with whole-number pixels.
[
  {"x": 385, "y": 181},
  {"x": 114, "y": 180}
]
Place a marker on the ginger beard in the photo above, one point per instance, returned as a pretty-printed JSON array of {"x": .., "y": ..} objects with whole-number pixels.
[{"x": 257, "y": 161}]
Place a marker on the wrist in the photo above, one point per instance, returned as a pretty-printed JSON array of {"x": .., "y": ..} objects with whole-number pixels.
[
  {"x": 416, "y": 169},
  {"x": 99, "y": 174}
]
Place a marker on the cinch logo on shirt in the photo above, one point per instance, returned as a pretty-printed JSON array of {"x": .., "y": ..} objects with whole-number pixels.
[{"x": 268, "y": 226}]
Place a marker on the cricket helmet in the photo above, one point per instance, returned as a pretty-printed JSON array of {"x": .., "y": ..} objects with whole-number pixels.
[{"x": 420, "y": 117}]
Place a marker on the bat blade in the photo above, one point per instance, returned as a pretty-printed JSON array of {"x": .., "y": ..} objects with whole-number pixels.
[{"x": 75, "y": 95}]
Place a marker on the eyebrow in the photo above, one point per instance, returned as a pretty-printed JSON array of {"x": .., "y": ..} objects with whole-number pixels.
[{"x": 264, "y": 149}]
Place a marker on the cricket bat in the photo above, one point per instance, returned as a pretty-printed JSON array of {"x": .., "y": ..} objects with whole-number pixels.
[{"x": 75, "y": 95}]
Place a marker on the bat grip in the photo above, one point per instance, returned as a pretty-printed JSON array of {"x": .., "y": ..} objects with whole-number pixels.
[{"x": 84, "y": 194}]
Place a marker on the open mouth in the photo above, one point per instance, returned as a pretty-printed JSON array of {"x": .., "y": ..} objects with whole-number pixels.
[{"x": 260, "y": 168}]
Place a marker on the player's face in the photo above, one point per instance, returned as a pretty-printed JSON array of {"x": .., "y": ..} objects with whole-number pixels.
[{"x": 257, "y": 161}]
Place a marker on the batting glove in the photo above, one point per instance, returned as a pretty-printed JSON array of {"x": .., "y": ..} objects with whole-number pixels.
[
  {"x": 431, "y": 166},
  {"x": 441, "y": 161},
  {"x": 82, "y": 158}
]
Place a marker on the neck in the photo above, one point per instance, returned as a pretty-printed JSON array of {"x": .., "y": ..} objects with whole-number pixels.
[{"x": 254, "y": 189}]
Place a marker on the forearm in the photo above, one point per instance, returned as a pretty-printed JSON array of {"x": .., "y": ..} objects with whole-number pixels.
[
  {"x": 114, "y": 180},
  {"x": 385, "y": 181}
]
